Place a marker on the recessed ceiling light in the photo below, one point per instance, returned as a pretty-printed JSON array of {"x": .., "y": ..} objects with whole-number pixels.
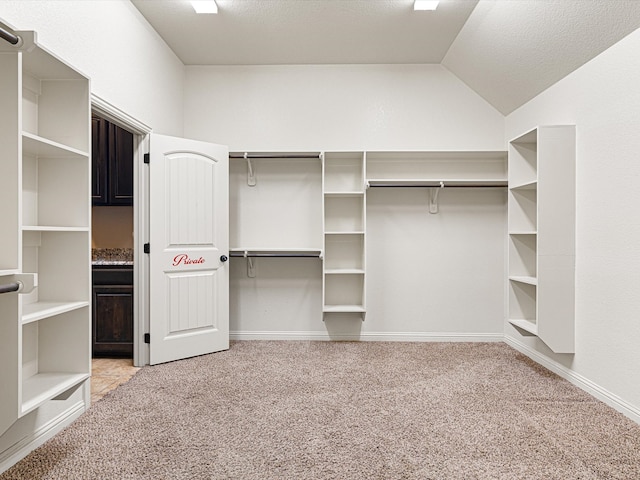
[
  {"x": 204, "y": 6},
  {"x": 425, "y": 4}
]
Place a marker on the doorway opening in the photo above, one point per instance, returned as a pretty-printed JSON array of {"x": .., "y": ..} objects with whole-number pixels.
[
  {"x": 112, "y": 244},
  {"x": 119, "y": 230}
]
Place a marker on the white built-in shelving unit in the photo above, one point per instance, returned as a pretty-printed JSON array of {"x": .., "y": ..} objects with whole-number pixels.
[
  {"x": 45, "y": 179},
  {"x": 315, "y": 205},
  {"x": 541, "y": 223},
  {"x": 344, "y": 220}
]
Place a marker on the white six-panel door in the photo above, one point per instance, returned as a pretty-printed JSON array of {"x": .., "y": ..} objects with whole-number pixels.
[{"x": 189, "y": 248}]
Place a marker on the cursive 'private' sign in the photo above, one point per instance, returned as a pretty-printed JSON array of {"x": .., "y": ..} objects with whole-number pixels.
[{"x": 184, "y": 259}]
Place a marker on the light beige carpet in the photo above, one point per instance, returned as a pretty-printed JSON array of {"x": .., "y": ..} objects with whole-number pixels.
[{"x": 324, "y": 410}]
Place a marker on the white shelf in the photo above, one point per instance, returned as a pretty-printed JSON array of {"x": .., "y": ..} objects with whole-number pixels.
[
  {"x": 41, "y": 228},
  {"x": 437, "y": 183},
  {"x": 343, "y": 309},
  {"x": 533, "y": 185},
  {"x": 336, "y": 193},
  {"x": 525, "y": 325},
  {"x": 8, "y": 272},
  {"x": 344, "y": 271},
  {"x": 524, "y": 279},
  {"x": 33, "y": 312},
  {"x": 523, "y": 232},
  {"x": 41, "y": 147},
  {"x": 42, "y": 387},
  {"x": 346, "y": 232}
]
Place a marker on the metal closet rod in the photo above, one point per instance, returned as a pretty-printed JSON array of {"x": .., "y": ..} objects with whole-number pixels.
[
  {"x": 9, "y": 37},
  {"x": 275, "y": 255},
  {"x": 273, "y": 155},
  {"x": 9, "y": 287},
  {"x": 395, "y": 185}
]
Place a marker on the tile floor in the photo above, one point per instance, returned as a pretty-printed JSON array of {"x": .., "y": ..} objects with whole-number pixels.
[{"x": 109, "y": 373}]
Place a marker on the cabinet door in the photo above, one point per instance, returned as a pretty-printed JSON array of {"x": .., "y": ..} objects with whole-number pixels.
[
  {"x": 112, "y": 320},
  {"x": 99, "y": 160},
  {"x": 120, "y": 166}
]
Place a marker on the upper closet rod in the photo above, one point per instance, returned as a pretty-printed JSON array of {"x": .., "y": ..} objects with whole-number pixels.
[
  {"x": 9, "y": 37},
  {"x": 273, "y": 155},
  {"x": 409, "y": 185}
]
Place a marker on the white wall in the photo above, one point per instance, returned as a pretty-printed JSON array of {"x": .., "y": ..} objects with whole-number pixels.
[
  {"x": 419, "y": 266},
  {"x": 110, "y": 41},
  {"x": 337, "y": 107},
  {"x": 603, "y": 100}
]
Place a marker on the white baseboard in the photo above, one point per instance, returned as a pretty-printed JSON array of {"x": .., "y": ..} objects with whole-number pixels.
[
  {"x": 369, "y": 336},
  {"x": 578, "y": 380},
  {"x": 21, "y": 449}
]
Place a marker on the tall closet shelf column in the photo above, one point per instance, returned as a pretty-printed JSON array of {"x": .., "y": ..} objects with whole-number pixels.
[
  {"x": 344, "y": 226},
  {"x": 541, "y": 225},
  {"x": 53, "y": 143}
]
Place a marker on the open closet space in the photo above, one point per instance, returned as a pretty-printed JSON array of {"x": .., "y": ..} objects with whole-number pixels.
[
  {"x": 435, "y": 229},
  {"x": 275, "y": 238}
]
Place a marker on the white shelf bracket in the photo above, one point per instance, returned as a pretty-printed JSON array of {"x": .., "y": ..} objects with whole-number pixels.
[
  {"x": 434, "y": 193},
  {"x": 251, "y": 175},
  {"x": 251, "y": 266}
]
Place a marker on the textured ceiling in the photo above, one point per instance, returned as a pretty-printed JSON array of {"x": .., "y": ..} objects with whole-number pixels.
[
  {"x": 508, "y": 51},
  {"x": 511, "y": 50},
  {"x": 263, "y": 32}
]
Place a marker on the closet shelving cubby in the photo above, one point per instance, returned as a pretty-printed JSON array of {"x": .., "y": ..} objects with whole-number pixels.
[
  {"x": 541, "y": 244},
  {"x": 46, "y": 171},
  {"x": 344, "y": 219}
]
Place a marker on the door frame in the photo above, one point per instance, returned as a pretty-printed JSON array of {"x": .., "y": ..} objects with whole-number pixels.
[{"x": 141, "y": 133}]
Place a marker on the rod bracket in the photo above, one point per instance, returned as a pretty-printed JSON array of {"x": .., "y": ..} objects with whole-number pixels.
[
  {"x": 251, "y": 265},
  {"x": 434, "y": 193},
  {"x": 18, "y": 283},
  {"x": 251, "y": 175}
]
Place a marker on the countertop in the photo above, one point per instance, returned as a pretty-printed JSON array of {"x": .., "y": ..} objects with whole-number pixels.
[{"x": 111, "y": 256}]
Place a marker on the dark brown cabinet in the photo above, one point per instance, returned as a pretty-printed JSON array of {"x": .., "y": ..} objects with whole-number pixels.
[
  {"x": 112, "y": 164},
  {"x": 112, "y": 332}
]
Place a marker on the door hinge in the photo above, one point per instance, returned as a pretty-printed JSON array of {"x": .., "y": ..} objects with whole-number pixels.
[
  {"x": 147, "y": 248},
  {"x": 147, "y": 338},
  {"x": 147, "y": 158}
]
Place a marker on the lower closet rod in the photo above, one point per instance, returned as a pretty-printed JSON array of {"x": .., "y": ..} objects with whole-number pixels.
[
  {"x": 9, "y": 287},
  {"x": 276, "y": 255}
]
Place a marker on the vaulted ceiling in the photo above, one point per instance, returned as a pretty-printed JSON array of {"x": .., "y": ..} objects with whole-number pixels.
[{"x": 508, "y": 51}]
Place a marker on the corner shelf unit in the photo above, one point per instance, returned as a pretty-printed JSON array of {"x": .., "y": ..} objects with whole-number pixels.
[
  {"x": 45, "y": 145},
  {"x": 344, "y": 220},
  {"x": 541, "y": 246}
]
